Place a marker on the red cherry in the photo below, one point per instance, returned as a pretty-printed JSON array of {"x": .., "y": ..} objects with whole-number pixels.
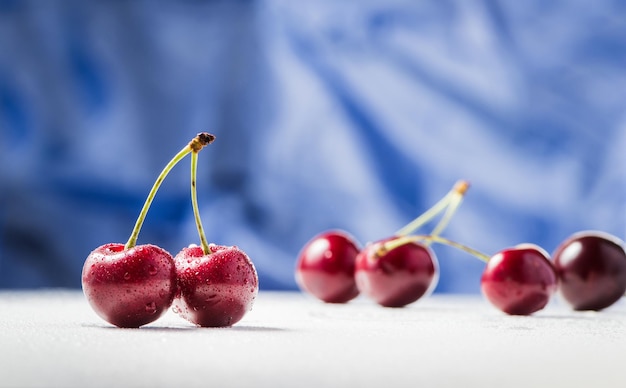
[
  {"x": 519, "y": 280},
  {"x": 591, "y": 267},
  {"x": 215, "y": 289},
  {"x": 325, "y": 267},
  {"x": 129, "y": 287},
  {"x": 397, "y": 276}
]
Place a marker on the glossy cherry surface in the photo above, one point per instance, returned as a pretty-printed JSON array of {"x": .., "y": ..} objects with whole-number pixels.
[
  {"x": 214, "y": 290},
  {"x": 325, "y": 267},
  {"x": 591, "y": 267},
  {"x": 129, "y": 287},
  {"x": 519, "y": 280},
  {"x": 397, "y": 276}
]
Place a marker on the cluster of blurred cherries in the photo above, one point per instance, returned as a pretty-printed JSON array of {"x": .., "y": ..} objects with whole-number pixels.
[
  {"x": 130, "y": 285},
  {"x": 588, "y": 268}
]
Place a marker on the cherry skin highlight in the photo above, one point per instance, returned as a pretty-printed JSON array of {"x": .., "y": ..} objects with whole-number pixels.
[
  {"x": 519, "y": 280},
  {"x": 129, "y": 287},
  {"x": 591, "y": 267},
  {"x": 398, "y": 276},
  {"x": 325, "y": 267},
  {"x": 215, "y": 289}
]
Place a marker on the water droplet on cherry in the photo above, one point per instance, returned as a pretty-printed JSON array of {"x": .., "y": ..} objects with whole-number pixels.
[{"x": 151, "y": 307}]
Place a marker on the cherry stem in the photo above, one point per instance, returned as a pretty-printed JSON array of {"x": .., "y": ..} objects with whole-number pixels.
[
  {"x": 450, "y": 201},
  {"x": 393, "y": 244},
  {"x": 195, "y": 145},
  {"x": 194, "y": 203}
]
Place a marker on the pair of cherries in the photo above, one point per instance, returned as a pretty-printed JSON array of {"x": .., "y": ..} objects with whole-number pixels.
[
  {"x": 588, "y": 268},
  {"x": 393, "y": 272},
  {"x": 130, "y": 285}
]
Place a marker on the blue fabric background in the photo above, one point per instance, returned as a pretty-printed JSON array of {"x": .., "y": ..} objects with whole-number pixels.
[{"x": 355, "y": 114}]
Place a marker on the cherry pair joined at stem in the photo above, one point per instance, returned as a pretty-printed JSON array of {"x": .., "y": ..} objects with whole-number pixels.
[
  {"x": 131, "y": 285},
  {"x": 333, "y": 267}
]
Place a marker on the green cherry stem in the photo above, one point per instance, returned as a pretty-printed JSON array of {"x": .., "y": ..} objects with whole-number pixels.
[
  {"x": 195, "y": 145},
  {"x": 393, "y": 244},
  {"x": 450, "y": 201},
  {"x": 455, "y": 201},
  {"x": 194, "y": 203}
]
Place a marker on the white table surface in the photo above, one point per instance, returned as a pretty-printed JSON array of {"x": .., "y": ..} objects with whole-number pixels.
[{"x": 53, "y": 339}]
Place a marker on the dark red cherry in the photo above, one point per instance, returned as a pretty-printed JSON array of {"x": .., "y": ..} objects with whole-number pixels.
[
  {"x": 396, "y": 276},
  {"x": 325, "y": 267},
  {"x": 591, "y": 267},
  {"x": 519, "y": 280}
]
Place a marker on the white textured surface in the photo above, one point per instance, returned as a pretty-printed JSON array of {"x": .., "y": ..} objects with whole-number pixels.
[{"x": 53, "y": 339}]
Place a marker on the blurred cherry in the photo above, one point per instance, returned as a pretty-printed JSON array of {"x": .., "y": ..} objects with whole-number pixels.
[
  {"x": 396, "y": 272},
  {"x": 325, "y": 267},
  {"x": 519, "y": 280},
  {"x": 591, "y": 267}
]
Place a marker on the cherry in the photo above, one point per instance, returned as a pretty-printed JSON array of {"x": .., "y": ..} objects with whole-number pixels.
[
  {"x": 215, "y": 289},
  {"x": 325, "y": 267},
  {"x": 217, "y": 285},
  {"x": 131, "y": 285},
  {"x": 519, "y": 280},
  {"x": 399, "y": 270},
  {"x": 591, "y": 267},
  {"x": 397, "y": 275}
]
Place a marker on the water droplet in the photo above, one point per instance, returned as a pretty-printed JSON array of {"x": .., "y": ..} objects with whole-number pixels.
[
  {"x": 126, "y": 276},
  {"x": 176, "y": 310},
  {"x": 151, "y": 307},
  {"x": 152, "y": 270}
]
